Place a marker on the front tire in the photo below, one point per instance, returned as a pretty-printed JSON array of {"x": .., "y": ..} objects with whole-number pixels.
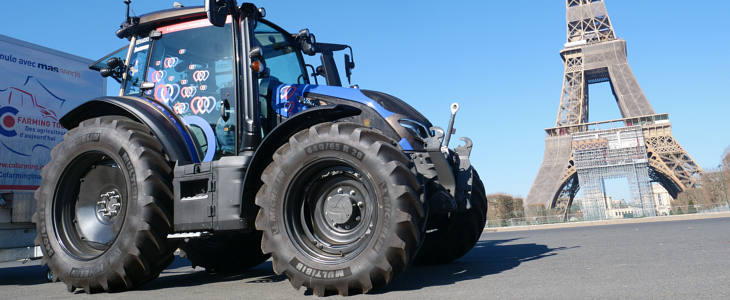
[
  {"x": 103, "y": 208},
  {"x": 458, "y": 232},
  {"x": 340, "y": 209}
]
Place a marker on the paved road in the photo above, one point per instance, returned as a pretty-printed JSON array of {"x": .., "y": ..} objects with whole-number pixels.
[{"x": 679, "y": 259}]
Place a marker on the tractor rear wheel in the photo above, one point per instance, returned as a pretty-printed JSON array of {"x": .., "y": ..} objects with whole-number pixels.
[
  {"x": 458, "y": 234},
  {"x": 104, "y": 207},
  {"x": 340, "y": 209}
]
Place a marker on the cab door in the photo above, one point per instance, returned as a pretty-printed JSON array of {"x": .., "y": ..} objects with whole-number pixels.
[{"x": 192, "y": 67}]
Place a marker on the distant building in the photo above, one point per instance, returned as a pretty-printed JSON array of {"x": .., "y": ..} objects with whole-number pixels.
[
  {"x": 619, "y": 209},
  {"x": 662, "y": 199}
]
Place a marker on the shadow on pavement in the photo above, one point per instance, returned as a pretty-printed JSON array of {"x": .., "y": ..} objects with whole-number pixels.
[
  {"x": 487, "y": 258},
  {"x": 30, "y": 274},
  {"x": 179, "y": 275}
]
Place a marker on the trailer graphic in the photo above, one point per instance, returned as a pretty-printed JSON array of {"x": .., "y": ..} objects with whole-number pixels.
[{"x": 37, "y": 86}]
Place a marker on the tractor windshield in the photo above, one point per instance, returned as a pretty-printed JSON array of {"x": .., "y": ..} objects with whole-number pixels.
[
  {"x": 191, "y": 66},
  {"x": 281, "y": 54}
]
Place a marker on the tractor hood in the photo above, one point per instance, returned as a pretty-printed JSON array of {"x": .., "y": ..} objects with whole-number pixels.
[
  {"x": 404, "y": 122},
  {"x": 397, "y": 106}
]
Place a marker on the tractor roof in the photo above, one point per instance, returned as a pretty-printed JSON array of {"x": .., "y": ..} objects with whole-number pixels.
[{"x": 155, "y": 19}]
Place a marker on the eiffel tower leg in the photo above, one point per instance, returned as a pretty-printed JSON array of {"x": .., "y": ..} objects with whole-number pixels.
[
  {"x": 555, "y": 171},
  {"x": 671, "y": 165}
]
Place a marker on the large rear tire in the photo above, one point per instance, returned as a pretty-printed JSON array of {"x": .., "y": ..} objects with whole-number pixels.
[
  {"x": 340, "y": 209},
  {"x": 103, "y": 208},
  {"x": 459, "y": 232},
  {"x": 225, "y": 253}
]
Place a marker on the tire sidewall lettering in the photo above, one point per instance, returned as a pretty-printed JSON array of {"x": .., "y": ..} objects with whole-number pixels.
[{"x": 335, "y": 146}]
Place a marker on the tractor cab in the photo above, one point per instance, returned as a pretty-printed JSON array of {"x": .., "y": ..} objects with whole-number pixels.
[{"x": 180, "y": 59}]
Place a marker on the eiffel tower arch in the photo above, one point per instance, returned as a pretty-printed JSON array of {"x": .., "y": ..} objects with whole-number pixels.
[{"x": 581, "y": 155}]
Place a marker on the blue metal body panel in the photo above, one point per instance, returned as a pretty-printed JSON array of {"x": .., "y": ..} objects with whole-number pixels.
[{"x": 286, "y": 98}]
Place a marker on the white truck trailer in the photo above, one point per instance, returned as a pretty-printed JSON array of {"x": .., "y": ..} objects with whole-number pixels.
[{"x": 38, "y": 85}]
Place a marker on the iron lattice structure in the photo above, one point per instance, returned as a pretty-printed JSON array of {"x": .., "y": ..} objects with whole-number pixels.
[{"x": 593, "y": 54}]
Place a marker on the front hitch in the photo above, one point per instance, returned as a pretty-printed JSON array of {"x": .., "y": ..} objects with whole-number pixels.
[{"x": 452, "y": 167}]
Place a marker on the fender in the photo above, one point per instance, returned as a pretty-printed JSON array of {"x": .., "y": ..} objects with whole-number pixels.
[
  {"x": 280, "y": 135},
  {"x": 164, "y": 124}
]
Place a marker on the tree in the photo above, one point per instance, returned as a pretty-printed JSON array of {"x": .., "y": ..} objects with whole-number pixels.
[
  {"x": 503, "y": 207},
  {"x": 518, "y": 208},
  {"x": 691, "y": 209}
]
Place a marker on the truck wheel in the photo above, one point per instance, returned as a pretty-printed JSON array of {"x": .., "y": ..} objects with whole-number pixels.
[
  {"x": 458, "y": 234},
  {"x": 339, "y": 209},
  {"x": 229, "y": 253},
  {"x": 103, "y": 208}
]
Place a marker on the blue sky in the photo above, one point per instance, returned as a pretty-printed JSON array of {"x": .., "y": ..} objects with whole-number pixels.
[{"x": 499, "y": 59}]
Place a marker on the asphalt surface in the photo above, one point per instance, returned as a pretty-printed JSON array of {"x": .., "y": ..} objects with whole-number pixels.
[{"x": 677, "y": 260}]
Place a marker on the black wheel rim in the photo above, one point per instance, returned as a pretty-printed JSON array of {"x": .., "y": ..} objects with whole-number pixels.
[
  {"x": 90, "y": 204},
  {"x": 331, "y": 210}
]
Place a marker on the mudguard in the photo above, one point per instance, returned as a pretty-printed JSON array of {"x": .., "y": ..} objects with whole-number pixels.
[{"x": 164, "y": 124}]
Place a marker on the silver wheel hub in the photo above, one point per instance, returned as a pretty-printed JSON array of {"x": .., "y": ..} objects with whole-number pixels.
[
  {"x": 108, "y": 205},
  {"x": 338, "y": 209}
]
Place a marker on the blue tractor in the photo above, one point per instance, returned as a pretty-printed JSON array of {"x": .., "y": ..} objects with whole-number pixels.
[{"x": 220, "y": 144}]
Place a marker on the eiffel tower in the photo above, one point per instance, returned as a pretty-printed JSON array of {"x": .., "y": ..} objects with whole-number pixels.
[{"x": 579, "y": 154}]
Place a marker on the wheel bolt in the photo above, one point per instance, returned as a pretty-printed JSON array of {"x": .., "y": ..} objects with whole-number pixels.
[
  {"x": 358, "y": 218},
  {"x": 360, "y": 204},
  {"x": 339, "y": 191},
  {"x": 352, "y": 193}
]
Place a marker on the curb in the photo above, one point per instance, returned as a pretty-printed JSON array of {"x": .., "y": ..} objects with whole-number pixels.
[{"x": 610, "y": 222}]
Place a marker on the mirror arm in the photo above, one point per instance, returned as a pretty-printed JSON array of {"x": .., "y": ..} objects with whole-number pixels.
[{"x": 314, "y": 73}]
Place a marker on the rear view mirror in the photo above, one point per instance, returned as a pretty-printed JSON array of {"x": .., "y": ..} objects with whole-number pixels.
[
  {"x": 217, "y": 11},
  {"x": 306, "y": 41},
  {"x": 349, "y": 65}
]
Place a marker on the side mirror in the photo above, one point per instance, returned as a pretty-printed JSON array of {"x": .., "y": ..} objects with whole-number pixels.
[
  {"x": 349, "y": 65},
  {"x": 115, "y": 68},
  {"x": 306, "y": 41},
  {"x": 217, "y": 11}
]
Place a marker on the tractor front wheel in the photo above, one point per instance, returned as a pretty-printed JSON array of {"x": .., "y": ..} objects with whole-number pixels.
[{"x": 340, "y": 209}]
